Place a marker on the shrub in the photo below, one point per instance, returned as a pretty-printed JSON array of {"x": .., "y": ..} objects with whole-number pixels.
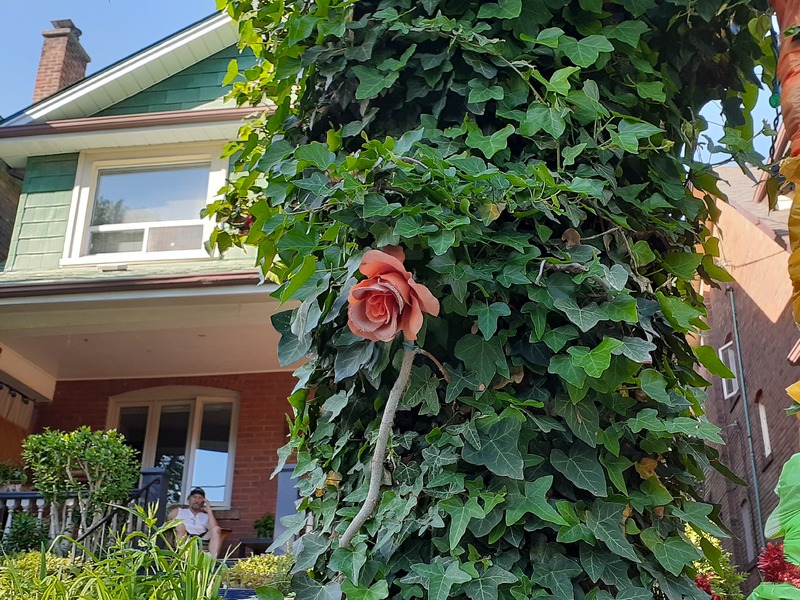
[
  {"x": 722, "y": 575},
  {"x": 21, "y": 575},
  {"x": 26, "y": 533},
  {"x": 265, "y": 526},
  {"x": 262, "y": 569},
  {"x": 12, "y": 473}
]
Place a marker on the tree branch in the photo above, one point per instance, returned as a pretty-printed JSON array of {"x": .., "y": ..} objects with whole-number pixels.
[{"x": 379, "y": 456}]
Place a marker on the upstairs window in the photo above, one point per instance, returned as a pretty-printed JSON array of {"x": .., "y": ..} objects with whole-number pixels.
[
  {"x": 143, "y": 207},
  {"x": 727, "y": 354}
]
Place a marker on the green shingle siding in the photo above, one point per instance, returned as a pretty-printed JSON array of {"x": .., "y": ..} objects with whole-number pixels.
[
  {"x": 43, "y": 212},
  {"x": 198, "y": 85}
]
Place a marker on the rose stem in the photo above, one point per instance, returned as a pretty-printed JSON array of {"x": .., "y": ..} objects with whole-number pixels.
[{"x": 379, "y": 456}]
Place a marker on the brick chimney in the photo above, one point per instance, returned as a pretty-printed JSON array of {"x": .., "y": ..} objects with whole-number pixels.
[{"x": 63, "y": 60}]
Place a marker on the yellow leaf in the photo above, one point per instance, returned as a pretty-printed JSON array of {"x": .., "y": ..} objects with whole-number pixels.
[
  {"x": 646, "y": 468},
  {"x": 790, "y": 169},
  {"x": 794, "y": 391}
]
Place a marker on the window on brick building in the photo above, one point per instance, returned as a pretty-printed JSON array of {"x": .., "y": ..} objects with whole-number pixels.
[
  {"x": 762, "y": 417},
  {"x": 727, "y": 354},
  {"x": 747, "y": 532},
  {"x": 190, "y": 432},
  {"x": 143, "y": 205}
]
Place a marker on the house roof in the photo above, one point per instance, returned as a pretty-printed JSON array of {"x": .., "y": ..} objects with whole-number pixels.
[{"x": 132, "y": 74}]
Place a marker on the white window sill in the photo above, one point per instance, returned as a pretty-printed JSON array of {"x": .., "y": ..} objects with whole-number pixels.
[{"x": 125, "y": 258}]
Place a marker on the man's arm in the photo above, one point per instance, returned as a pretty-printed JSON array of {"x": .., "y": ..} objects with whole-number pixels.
[{"x": 212, "y": 520}]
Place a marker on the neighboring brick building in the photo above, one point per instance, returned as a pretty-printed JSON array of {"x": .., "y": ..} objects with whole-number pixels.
[
  {"x": 112, "y": 314},
  {"x": 754, "y": 250}
]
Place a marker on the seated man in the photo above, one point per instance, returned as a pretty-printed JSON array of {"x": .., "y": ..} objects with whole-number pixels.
[{"x": 198, "y": 521}]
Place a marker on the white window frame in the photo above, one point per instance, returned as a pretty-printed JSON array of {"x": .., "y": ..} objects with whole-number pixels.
[
  {"x": 727, "y": 354},
  {"x": 196, "y": 397},
  {"x": 76, "y": 242},
  {"x": 762, "y": 417},
  {"x": 747, "y": 532}
]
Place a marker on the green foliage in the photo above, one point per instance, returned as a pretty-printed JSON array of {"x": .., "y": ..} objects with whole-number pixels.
[
  {"x": 726, "y": 580},
  {"x": 26, "y": 533},
  {"x": 142, "y": 564},
  {"x": 534, "y": 160},
  {"x": 96, "y": 466},
  {"x": 262, "y": 570},
  {"x": 12, "y": 473},
  {"x": 265, "y": 526}
]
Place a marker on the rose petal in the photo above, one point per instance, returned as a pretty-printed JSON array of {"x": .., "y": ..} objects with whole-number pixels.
[
  {"x": 411, "y": 321},
  {"x": 427, "y": 301},
  {"x": 376, "y": 263},
  {"x": 395, "y": 251},
  {"x": 359, "y": 320},
  {"x": 399, "y": 283}
]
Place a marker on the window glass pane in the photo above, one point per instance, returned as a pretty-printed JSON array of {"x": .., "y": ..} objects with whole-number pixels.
[
  {"x": 145, "y": 194},
  {"x": 103, "y": 242},
  {"x": 173, "y": 434},
  {"x": 133, "y": 425},
  {"x": 164, "y": 239},
  {"x": 212, "y": 459}
]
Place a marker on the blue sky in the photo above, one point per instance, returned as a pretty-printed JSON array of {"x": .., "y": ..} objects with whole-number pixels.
[{"x": 112, "y": 29}]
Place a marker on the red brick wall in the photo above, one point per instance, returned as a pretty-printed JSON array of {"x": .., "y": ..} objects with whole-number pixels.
[
  {"x": 63, "y": 62},
  {"x": 11, "y": 438},
  {"x": 261, "y": 430},
  {"x": 10, "y": 188},
  {"x": 767, "y": 332}
]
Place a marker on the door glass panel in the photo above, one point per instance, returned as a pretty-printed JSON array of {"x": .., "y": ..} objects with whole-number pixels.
[
  {"x": 133, "y": 425},
  {"x": 173, "y": 435},
  {"x": 212, "y": 459}
]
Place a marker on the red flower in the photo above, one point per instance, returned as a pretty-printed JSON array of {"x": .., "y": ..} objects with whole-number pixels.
[
  {"x": 704, "y": 583},
  {"x": 389, "y": 300},
  {"x": 775, "y": 568}
]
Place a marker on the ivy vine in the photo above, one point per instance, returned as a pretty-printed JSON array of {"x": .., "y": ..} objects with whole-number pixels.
[{"x": 534, "y": 160}]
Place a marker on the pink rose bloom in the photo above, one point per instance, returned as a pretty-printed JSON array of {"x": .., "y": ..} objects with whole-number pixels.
[{"x": 389, "y": 300}]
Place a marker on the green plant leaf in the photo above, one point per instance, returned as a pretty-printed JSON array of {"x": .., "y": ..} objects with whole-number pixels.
[
  {"x": 268, "y": 593},
  {"x": 673, "y": 553},
  {"x": 563, "y": 366},
  {"x": 628, "y": 32},
  {"x": 349, "y": 561},
  {"x": 372, "y": 82},
  {"x": 377, "y": 591},
  {"x": 582, "y": 468},
  {"x": 460, "y": 516},
  {"x": 439, "y": 577},
  {"x": 597, "y": 360},
  {"x": 504, "y": 9},
  {"x": 316, "y": 154},
  {"x": 532, "y": 498},
  {"x": 499, "y": 450},
  {"x": 489, "y": 145},
  {"x": 708, "y": 357},
  {"x": 541, "y": 117},
  {"x": 307, "y": 549},
  {"x": 336, "y": 403},
  {"x": 582, "y": 418},
  {"x": 584, "y": 317},
  {"x": 485, "y": 586},
  {"x": 485, "y": 358},
  {"x": 487, "y": 316},
  {"x": 308, "y": 589},
  {"x": 586, "y": 51},
  {"x": 605, "y": 520}
]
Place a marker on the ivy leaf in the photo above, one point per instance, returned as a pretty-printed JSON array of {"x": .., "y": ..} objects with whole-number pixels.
[
  {"x": 654, "y": 385},
  {"x": 683, "y": 264},
  {"x": 480, "y": 92},
  {"x": 489, "y": 145},
  {"x": 652, "y": 90},
  {"x": 582, "y": 418},
  {"x": 266, "y": 592},
  {"x": 336, "y": 403},
  {"x": 350, "y": 359},
  {"x": 316, "y": 154},
  {"x": 377, "y": 591},
  {"x": 638, "y": 7},
  {"x": 616, "y": 467},
  {"x": 543, "y": 117},
  {"x": 499, "y": 451},
  {"x": 557, "y": 338},
  {"x": 605, "y": 520},
  {"x": 483, "y": 357},
  {"x": 628, "y": 32},
  {"x": 697, "y": 514},
  {"x": 504, "y": 9},
  {"x": 680, "y": 314},
  {"x": 698, "y": 428},
  {"x": 621, "y": 308},
  {"x": 372, "y": 82},
  {"x": 586, "y": 51},
  {"x": 349, "y": 561},
  {"x": 635, "y": 593},
  {"x": 308, "y": 589},
  {"x": 673, "y": 553},
  {"x": 642, "y": 253},
  {"x": 485, "y": 586},
  {"x": 555, "y": 572},
  {"x": 564, "y": 367},
  {"x": 459, "y": 381},
  {"x": 460, "y": 516},
  {"x": 582, "y": 468},
  {"x": 593, "y": 562},
  {"x": 585, "y": 318},
  {"x": 487, "y": 316},
  {"x": 533, "y": 499},
  {"x": 708, "y": 357},
  {"x": 439, "y": 579},
  {"x": 307, "y": 549},
  {"x": 422, "y": 391},
  {"x": 636, "y": 349},
  {"x": 597, "y": 360},
  {"x": 376, "y": 205}
]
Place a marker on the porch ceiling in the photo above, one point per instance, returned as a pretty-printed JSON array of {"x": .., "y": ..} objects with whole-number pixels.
[{"x": 141, "y": 335}]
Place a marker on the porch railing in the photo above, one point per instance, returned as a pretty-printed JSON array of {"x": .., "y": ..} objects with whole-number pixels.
[{"x": 153, "y": 492}]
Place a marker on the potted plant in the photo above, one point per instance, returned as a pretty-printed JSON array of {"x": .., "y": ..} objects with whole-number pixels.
[
  {"x": 265, "y": 526},
  {"x": 12, "y": 476}
]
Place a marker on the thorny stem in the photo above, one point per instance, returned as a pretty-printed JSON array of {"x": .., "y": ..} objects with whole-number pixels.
[{"x": 379, "y": 456}]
